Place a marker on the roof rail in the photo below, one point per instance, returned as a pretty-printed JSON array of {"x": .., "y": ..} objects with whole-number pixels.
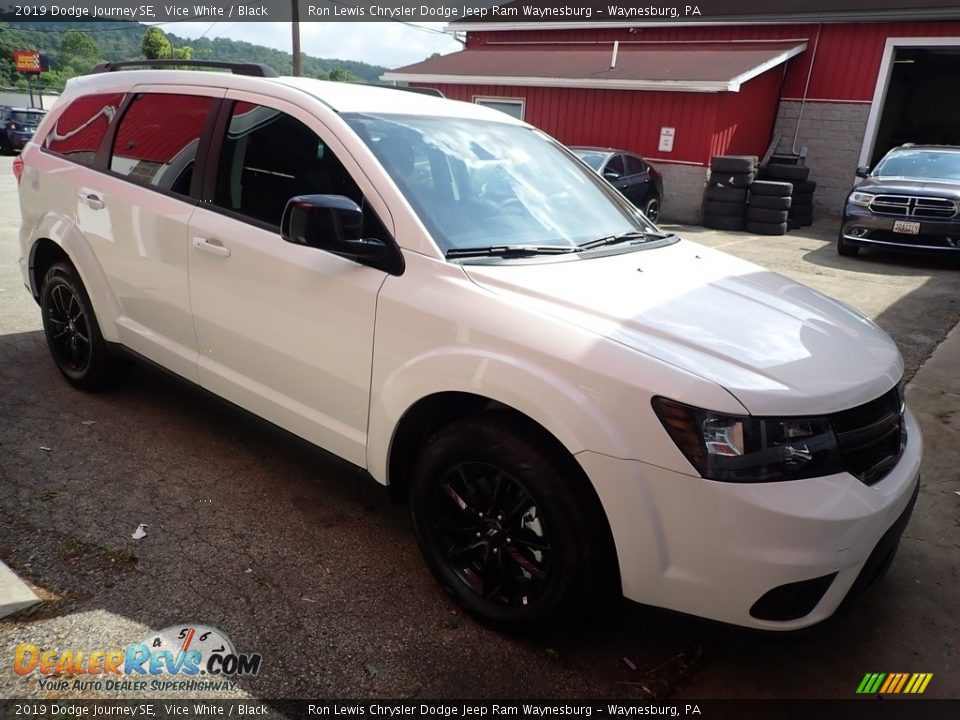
[
  {"x": 433, "y": 92},
  {"x": 252, "y": 69}
]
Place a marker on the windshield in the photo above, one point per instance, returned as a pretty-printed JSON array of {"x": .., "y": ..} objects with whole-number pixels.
[
  {"x": 478, "y": 183},
  {"x": 593, "y": 158},
  {"x": 924, "y": 164},
  {"x": 27, "y": 117}
]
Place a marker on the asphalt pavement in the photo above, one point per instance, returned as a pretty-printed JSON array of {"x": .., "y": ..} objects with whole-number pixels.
[{"x": 299, "y": 558}]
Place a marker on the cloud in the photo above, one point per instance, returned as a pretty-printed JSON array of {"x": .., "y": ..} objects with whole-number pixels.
[{"x": 379, "y": 43}]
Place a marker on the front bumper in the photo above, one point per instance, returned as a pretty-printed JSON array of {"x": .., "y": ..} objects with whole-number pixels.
[
  {"x": 714, "y": 549},
  {"x": 941, "y": 235}
]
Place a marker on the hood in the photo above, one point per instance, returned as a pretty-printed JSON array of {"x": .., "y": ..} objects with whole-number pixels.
[
  {"x": 779, "y": 347},
  {"x": 906, "y": 186}
]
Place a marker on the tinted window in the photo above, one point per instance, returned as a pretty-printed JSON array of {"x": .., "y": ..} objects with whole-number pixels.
[
  {"x": 634, "y": 165},
  {"x": 269, "y": 157},
  {"x": 80, "y": 129},
  {"x": 615, "y": 165},
  {"x": 157, "y": 139},
  {"x": 29, "y": 118}
]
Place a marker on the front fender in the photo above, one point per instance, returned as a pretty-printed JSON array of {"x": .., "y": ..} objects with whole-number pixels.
[
  {"x": 61, "y": 230},
  {"x": 549, "y": 399}
]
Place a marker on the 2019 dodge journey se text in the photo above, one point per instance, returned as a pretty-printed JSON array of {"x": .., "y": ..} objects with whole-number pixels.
[{"x": 575, "y": 402}]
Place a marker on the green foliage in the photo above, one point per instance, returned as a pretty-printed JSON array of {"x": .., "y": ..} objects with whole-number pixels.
[
  {"x": 156, "y": 44},
  {"x": 78, "y": 54},
  {"x": 125, "y": 40},
  {"x": 338, "y": 74}
]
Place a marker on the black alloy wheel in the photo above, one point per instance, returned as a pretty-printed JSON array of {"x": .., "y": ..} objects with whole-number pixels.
[
  {"x": 72, "y": 333},
  {"x": 509, "y": 525},
  {"x": 488, "y": 528}
]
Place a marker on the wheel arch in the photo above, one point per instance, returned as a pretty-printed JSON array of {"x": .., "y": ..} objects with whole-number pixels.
[
  {"x": 431, "y": 413},
  {"x": 57, "y": 239}
]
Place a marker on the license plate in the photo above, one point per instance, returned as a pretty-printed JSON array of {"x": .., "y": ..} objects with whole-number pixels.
[{"x": 907, "y": 228}]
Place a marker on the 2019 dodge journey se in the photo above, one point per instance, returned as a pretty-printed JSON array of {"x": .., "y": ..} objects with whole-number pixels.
[{"x": 575, "y": 402}]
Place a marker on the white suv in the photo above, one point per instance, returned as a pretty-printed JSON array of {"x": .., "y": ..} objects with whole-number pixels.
[{"x": 573, "y": 400}]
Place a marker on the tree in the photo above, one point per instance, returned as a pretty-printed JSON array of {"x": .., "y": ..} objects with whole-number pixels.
[
  {"x": 78, "y": 53},
  {"x": 183, "y": 53},
  {"x": 341, "y": 75},
  {"x": 156, "y": 44}
]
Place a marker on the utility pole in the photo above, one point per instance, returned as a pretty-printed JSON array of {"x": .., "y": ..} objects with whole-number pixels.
[{"x": 297, "y": 58}]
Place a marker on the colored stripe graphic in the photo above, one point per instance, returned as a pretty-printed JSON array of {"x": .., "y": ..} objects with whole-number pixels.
[{"x": 894, "y": 683}]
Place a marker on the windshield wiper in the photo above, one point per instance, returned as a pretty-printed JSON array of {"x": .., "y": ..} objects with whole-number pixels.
[
  {"x": 508, "y": 251},
  {"x": 623, "y": 238}
]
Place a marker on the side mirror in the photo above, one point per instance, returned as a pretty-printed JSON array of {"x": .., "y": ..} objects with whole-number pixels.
[
  {"x": 329, "y": 222},
  {"x": 611, "y": 175},
  {"x": 863, "y": 171}
]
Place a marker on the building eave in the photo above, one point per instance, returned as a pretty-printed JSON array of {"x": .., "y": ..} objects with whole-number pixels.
[{"x": 931, "y": 14}]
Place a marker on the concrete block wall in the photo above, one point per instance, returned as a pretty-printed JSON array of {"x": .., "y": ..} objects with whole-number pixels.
[
  {"x": 682, "y": 192},
  {"x": 832, "y": 133}
]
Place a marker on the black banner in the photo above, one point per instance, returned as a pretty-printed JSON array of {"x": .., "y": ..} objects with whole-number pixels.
[{"x": 858, "y": 709}]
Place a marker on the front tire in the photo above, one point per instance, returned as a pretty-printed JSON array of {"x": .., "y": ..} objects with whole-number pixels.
[
  {"x": 507, "y": 525},
  {"x": 72, "y": 332},
  {"x": 846, "y": 249}
]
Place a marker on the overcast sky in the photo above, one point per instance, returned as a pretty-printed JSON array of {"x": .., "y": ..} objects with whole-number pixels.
[{"x": 379, "y": 43}]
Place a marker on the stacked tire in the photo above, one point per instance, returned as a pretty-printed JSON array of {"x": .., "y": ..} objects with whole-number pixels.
[
  {"x": 768, "y": 207},
  {"x": 724, "y": 198},
  {"x": 801, "y": 208}
]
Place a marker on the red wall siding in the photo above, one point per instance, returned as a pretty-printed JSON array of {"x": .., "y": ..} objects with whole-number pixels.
[
  {"x": 626, "y": 119},
  {"x": 847, "y": 61},
  {"x": 745, "y": 119}
]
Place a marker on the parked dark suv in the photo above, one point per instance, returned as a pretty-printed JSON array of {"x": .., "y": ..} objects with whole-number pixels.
[
  {"x": 17, "y": 126},
  {"x": 633, "y": 176},
  {"x": 910, "y": 201}
]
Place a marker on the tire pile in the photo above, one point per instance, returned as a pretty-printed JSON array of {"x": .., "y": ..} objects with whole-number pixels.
[
  {"x": 768, "y": 207},
  {"x": 800, "y": 209},
  {"x": 725, "y": 197}
]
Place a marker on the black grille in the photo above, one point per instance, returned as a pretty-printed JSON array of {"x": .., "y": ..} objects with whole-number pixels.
[
  {"x": 910, "y": 206},
  {"x": 871, "y": 437}
]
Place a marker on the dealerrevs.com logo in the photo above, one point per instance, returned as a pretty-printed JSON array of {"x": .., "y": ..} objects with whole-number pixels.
[{"x": 189, "y": 657}]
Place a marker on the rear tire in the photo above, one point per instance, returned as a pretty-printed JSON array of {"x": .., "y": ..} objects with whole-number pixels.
[
  {"x": 652, "y": 209},
  {"x": 507, "y": 525},
  {"x": 72, "y": 332}
]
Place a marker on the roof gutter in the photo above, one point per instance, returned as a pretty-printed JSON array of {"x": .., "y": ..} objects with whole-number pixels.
[{"x": 594, "y": 83}]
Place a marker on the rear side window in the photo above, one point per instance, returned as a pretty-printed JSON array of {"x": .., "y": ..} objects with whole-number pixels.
[
  {"x": 157, "y": 139},
  {"x": 615, "y": 166},
  {"x": 635, "y": 166},
  {"x": 80, "y": 129}
]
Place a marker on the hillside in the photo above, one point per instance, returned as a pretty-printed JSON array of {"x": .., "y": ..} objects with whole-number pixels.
[{"x": 121, "y": 41}]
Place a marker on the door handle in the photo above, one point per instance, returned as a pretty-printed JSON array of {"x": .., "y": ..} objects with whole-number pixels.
[
  {"x": 92, "y": 201},
  {"x": 209, "y": 245}
]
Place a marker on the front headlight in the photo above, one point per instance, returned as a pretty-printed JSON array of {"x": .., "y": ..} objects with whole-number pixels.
[
  {"x": 860, "y": 198},
  {"x": 734, "y": 448}
]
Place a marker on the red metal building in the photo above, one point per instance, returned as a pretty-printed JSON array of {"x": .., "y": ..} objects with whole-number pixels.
[{"x": 837, "y": 84}]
